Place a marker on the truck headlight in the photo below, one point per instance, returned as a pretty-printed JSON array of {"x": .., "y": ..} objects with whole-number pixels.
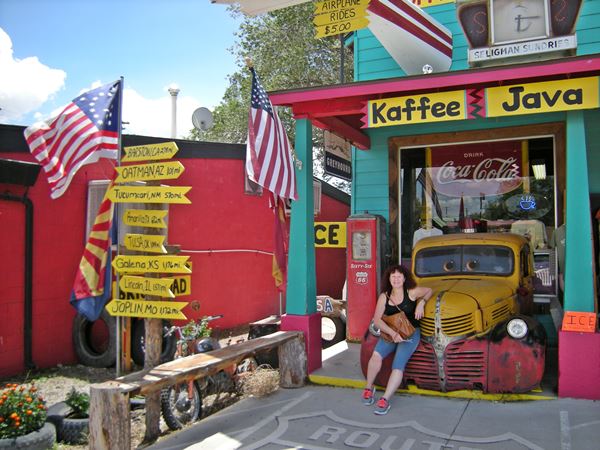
[{"x": 517, "y": 328}]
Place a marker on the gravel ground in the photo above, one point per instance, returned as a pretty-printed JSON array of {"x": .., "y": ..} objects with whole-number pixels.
[{"x": 54, "y": 384}]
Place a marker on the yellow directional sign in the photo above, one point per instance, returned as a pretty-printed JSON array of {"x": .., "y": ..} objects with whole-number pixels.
[
  {"x": 341, "y": 27},
  {"x": 145, "y": 243},
  {"x": 149, "y": 194},
  {"x": 150, "y": 264},
  {"x": 326, "y": 6},
  {"x": 150, "y": 152},
  {"x": 169, "y": 170},
  {"x": 150, "y": 218},
  {"x": 146, "y": 308},
  {"x": 147, "y": 286},
  {"x": 180, "y": 285}
]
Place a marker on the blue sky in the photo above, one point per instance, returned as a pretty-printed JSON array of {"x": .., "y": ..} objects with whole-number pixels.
[{"x": 51, "y": 50}]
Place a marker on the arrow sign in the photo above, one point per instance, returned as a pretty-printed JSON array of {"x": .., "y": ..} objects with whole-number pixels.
[
  {"x": 150, "y": 152},
  {"x": 149, "y": 194},
  {"x": 150, "y": 264},
  {"x": 160, "y": 287},
  {"x": 146, "y": 172},
  {"x": 146, "y": 308},
  {"x": 145, "y": 243},
  {"x": 148, "y": 218}
]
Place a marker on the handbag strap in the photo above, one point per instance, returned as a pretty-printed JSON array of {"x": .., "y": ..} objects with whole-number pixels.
[{"x": 397, "y": 306}]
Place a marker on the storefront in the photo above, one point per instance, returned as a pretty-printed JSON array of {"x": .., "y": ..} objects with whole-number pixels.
[{"x": 505, "y": 141}]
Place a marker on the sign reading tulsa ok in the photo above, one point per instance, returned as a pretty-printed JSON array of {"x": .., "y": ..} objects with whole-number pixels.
[{"x": 531, "y": 98}]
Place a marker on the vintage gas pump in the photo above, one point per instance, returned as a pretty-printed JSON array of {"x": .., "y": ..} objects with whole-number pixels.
[{"x": 367, "y": 244}]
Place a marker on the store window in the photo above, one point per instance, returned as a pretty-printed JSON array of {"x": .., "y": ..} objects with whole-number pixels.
[{"x": 493, "y": 187}]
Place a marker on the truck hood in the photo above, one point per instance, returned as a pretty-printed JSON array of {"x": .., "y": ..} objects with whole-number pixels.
[{"x": 485, "y": 292}]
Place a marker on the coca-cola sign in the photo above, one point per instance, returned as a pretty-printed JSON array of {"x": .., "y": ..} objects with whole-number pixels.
[{"x": 472, "y": 170}]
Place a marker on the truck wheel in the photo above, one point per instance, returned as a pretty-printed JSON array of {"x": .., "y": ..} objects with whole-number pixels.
[
  {"x": 169, "y": 343},
  {"x": 95, "y": 342},
  {"x": 333, "y": 330}
]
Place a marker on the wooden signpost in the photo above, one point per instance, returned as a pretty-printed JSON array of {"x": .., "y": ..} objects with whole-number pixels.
[{"x": 147, "y": 256}]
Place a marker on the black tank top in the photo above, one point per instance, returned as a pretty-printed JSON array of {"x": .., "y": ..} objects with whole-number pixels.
[{"x": 407, "y": 305}]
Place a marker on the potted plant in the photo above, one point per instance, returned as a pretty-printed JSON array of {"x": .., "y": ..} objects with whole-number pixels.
[
  {"x": 71, "y": 418},
  {"x": 23, "y": 419}
]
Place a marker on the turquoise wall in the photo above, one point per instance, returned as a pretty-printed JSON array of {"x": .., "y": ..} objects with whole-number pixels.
[{"x": 592, "y": 138}]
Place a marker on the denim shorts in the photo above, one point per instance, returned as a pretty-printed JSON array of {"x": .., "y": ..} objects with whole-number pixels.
[{"x": 404, "y": 350}]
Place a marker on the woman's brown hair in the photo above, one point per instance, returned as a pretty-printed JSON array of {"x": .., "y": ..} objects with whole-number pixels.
[{"x": 409, "y": 281}]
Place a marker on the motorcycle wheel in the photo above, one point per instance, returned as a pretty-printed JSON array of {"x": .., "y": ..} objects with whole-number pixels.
[
  {"x": 178, "y": 408},
  {"x": 333, "y": 330}
]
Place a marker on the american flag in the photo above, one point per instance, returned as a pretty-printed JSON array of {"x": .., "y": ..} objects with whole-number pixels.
[
  {"x": 86, "y": 130},
  {"x": 269, "y": 161}
]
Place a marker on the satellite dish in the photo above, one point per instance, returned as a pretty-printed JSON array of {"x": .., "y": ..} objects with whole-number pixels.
[{"x": 202, "y": 119}]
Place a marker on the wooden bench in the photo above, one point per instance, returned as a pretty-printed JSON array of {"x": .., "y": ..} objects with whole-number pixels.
[{"x": 110, "y": 426}]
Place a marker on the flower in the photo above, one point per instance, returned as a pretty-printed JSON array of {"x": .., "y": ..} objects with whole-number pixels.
[{"x": 22, "y": 411}]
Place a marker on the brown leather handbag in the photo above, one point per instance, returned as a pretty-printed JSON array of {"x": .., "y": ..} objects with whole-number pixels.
[{"x": 400, "y": 324}]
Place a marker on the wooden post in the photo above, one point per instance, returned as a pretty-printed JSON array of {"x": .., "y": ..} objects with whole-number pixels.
[
  {"x": 292, "y": 363},
  {"x": 110, "y": 425}
]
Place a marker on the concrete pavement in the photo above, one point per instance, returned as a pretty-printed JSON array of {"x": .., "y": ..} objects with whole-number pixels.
[{"x": 333, "y": 417}]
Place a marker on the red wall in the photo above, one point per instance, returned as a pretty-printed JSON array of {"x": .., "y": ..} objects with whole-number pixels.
[{"x": 237, "y": 284}]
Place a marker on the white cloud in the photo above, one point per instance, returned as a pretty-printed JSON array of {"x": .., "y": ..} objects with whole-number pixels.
[
  {"x": 152, "y": 117},
  {"x": 25, "y": 84}
]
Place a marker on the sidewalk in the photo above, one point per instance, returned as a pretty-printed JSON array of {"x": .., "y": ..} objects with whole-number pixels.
[{"x": 325, "y": 417}]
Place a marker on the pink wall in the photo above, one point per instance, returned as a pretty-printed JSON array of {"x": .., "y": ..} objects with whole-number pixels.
[{"x": 221, "y": 217}]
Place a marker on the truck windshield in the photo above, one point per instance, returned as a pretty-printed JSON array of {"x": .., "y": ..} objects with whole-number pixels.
[{"x": 464, "y": 260}]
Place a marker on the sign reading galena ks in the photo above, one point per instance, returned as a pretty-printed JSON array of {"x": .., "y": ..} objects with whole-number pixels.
[{"x": 434, "y": 107}]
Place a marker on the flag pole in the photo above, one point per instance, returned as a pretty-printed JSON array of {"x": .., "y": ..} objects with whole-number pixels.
[{"x": 117, "y": 211}]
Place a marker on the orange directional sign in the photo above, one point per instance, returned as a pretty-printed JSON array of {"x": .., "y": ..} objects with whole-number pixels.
[
  {"x": 146, "y": 308},
  {"x": 150, "y": 264},
  {"x": 149, "y": 218},
  {"x": 169, "y": 170},
  {"x": 150, "y": 152},
  {"x": 149, "y": 194},
  {"x": 145, "y": 243}
]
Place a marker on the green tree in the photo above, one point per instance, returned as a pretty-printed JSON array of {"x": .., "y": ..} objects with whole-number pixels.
[{"x": 285, "y": 55}]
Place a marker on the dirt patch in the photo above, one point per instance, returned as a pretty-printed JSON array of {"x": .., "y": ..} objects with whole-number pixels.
[{"x": 54, "y": 384}]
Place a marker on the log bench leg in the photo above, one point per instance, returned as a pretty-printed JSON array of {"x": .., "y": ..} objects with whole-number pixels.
[
  {"x": 110, "y": 424},
  {"x": 292, "y": 363}
]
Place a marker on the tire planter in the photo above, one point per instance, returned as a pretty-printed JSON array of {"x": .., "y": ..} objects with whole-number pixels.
[
  {"x": 42, "y": 439},
  {"x": 331, "y": 338},
  {"x": 90, "y": 351},
  {"x": 169, "y": 343},
  {"x": 68, "y": 430}
]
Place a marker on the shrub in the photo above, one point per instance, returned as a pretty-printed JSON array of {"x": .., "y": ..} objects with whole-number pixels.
[
  {"x": 196, "y": 330},
  {"x": 79, "y": 402},
  {"x": 22, "y": 411}
]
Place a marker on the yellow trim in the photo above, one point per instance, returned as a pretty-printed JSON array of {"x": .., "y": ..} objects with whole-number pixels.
[{"x": 411, "y": 389}]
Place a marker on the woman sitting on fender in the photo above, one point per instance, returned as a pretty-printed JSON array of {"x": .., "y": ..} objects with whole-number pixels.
[{"x": 399, "y": 292}]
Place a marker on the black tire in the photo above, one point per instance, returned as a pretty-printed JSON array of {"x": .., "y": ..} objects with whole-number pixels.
[
  {"x": 169, "y": 343},
  {"x": 88, "y": 353},
  {"x": 333, "y": 330},
  {"x": 42, "y": 439},
  {"x": 73, "y": 431},
  {"x": 179, "y": 410}
]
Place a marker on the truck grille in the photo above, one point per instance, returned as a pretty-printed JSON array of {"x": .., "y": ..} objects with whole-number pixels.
[
  {"x": 464, "y": 366},
  {"x": 501, "y": 312},
  {"x": 451, "y": 326}
]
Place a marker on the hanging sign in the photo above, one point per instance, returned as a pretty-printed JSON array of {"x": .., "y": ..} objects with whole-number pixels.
[
  {"x": 337, "y": 156},
  {"x": 147, "y": 309},
  {"x": 150, "y": 264},
  {"x": 147, "y": 286},
  {"x": 433, "y": 107},
  {"x": 146, "y": 172},
  {"x": 544, "y": 97},
  {"x": 145, "y": 243},
  {"x": 149, "y": 194},
  {"x": 334, "y": 17},
  {"x": 150, "y": 218},
  {"x": 150, "y": 152}
]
